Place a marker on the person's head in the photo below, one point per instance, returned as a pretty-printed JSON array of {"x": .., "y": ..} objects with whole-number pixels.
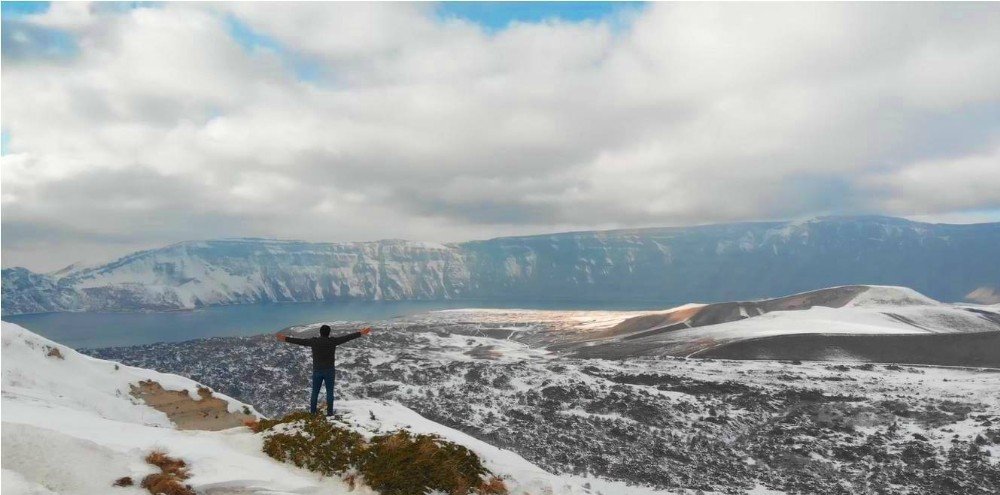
[{"x": 324, "y": 330}]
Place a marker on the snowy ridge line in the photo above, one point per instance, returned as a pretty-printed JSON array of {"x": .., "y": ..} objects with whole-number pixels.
[{"x": 678, "y": 264}]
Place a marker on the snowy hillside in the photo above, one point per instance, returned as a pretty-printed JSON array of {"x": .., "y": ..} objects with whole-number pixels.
[
  {"x": 705, "y": 263},
  {"x": 893, "y": 313},
  {"x": 522, "y": 381},
  {"x": 848, "y": 323},
  {"x": 73, "y": 424},
  {"x": 195, "y": 274}
]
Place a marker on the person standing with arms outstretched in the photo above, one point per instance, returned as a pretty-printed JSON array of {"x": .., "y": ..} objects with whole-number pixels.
[{"x": 324, "y": 354}]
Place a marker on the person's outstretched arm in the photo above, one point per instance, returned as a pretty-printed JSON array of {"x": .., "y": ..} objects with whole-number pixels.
[
  {"x": 351, "y": 336},
  {"x": 293, "y": 340}
]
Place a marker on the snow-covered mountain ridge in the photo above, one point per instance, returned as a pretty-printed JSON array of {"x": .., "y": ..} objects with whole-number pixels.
[
  {"x": 195, "y": 274},
  {"x": 705, "y": 263}
]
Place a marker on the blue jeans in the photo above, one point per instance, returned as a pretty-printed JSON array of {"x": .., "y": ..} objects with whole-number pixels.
[{"x": 320, "y": 377}]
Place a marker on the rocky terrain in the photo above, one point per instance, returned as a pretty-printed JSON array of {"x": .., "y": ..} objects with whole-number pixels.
[
  {"x": 517, "y": 380},
  {"x": 706, "y": 263}
]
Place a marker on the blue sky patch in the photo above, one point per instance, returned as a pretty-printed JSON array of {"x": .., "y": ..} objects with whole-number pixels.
[
  {"x": 122, "y": 7},
  {"x": 498, "y": 15},
  {"x": 21, "y": 9},
  {"x": 250, "y": 40},
  {"x": 24, "y": 41}
]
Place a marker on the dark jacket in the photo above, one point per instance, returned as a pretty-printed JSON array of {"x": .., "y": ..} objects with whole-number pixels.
[{"x": 324, "y": 349}]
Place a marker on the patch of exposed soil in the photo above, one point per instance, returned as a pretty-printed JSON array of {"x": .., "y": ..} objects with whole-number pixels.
[
  {"x": 649, "y": 321},
  {"x": 207, "y": 413}
]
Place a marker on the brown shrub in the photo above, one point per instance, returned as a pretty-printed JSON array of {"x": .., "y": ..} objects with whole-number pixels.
[
  {"x": 402, "y": 463},
  {"x": 493, "y": 486},
  {"x": 267, "y": 424},
  {"x": 318, "y": 445},
  {"x": 399, "y": 463},
  {"x": 124, "y": 481},
  {"x": 169, "y": 481},
  {"x": 165, "y": 484},
  {"x": 168, "y": 465}
]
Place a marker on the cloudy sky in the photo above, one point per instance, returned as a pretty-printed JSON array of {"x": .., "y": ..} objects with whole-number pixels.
[{"x": 127, "y": 128}]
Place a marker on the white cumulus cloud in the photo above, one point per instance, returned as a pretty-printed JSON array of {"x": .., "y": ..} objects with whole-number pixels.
[{"x": 363, "y": 121}]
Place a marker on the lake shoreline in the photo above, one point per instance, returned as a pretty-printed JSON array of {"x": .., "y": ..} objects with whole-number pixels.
[{"x": 93, "y": 330}]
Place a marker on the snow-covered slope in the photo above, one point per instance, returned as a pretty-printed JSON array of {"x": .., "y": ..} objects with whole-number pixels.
[
  {"x": 37, "y": 370},
  {"x": 72, "y": 425},
  {"x": 707, "y": 263},
  {"x": 935, "y": 333},
  {"x": 688, "y": 425},
  {"x": 694, "y": 330}
]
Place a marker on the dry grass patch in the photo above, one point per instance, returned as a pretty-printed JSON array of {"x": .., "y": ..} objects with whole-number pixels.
[
  {"x": 402, "y": 463},
  {"x": 170, "y": 479},
  {"x": 167, "y": 464},
  {"x": 398, "y": 463}
]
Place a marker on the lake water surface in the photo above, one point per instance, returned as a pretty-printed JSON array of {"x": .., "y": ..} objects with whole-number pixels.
[{"x": 94, "y": 330}]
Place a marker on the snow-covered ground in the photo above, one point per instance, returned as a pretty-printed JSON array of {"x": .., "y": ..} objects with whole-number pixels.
[
  {"x": 893, "y": 314},
  {"x": 692, "y": 329},
  {"x": 512, "y": 386},
  {"x": 645, "y": 422},
  {"x": 71, "y": 426}
]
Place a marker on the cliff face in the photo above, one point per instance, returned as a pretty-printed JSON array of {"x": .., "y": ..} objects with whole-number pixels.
[
  {"x": 709, "y": 263},
  {"x": 740, "y": 261},
  {"x": 196, "y": 274},
  {"x": 27, "y": 292}
]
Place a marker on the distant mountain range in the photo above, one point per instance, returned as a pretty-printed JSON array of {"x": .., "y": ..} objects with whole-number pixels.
[{"x": 710, "y": 263}]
